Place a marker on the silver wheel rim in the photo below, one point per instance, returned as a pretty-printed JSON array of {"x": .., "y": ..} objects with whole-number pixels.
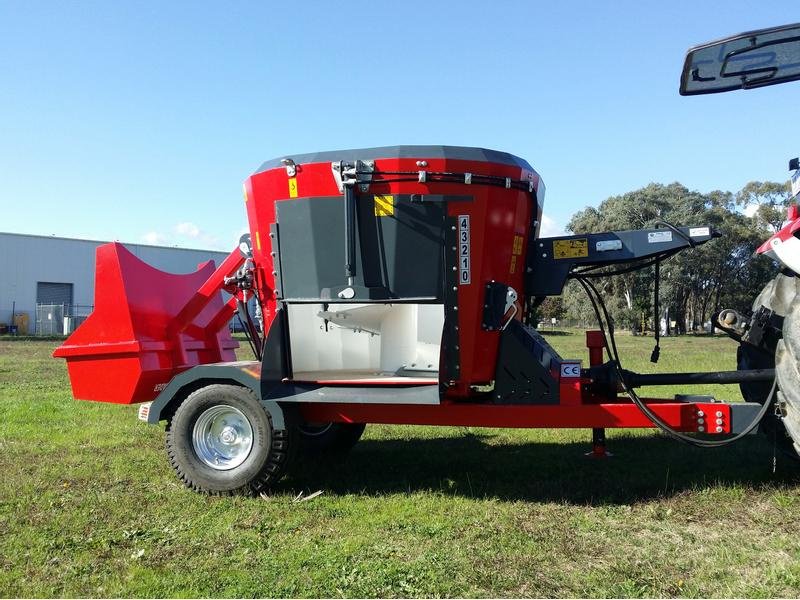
[{"x": 222, "y": 437}]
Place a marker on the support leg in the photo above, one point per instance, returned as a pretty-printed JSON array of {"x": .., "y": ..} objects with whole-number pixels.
[{"x": 599, "y": 444}]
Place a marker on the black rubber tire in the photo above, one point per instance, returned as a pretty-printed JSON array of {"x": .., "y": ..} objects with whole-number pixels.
[
  {"x": 329, "y": 438},
  {"x": 269, "y": 458},
  {"x": 780, "y": 296},
  {"x": 777, "y": 296},
  {"x": 787, "y": 369}
]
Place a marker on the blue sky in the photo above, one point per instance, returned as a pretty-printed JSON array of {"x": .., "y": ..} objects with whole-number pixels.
[{"x": 138, "y": 121}]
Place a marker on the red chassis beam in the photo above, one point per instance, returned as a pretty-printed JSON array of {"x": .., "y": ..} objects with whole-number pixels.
[{"x": 683, "y": 416}]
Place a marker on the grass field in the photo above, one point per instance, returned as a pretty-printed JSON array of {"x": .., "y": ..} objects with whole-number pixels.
[{"x": 90, "y": 507}]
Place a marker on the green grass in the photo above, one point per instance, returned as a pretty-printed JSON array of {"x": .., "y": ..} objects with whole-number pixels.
[{"x": 90, "y": 507}]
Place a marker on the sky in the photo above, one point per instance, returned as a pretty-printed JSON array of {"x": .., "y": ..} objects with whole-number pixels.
[{"x": 139, "y": 121}]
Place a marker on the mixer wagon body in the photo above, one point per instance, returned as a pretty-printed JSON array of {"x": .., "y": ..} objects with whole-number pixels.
[{"x": 395, "y": 285}]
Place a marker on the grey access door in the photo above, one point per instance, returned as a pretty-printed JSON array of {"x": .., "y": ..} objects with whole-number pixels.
[
  {"x": 53, "y": 302},
  {"x": 53, "y": 293}
]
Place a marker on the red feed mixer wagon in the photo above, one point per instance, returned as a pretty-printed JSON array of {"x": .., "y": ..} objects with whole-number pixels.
[
  {"x": 395, "y": 285},
  {"x": 399, "y": 285}
]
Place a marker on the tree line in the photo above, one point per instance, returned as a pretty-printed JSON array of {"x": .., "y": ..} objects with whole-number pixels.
[{"x": 696, "y": 283}]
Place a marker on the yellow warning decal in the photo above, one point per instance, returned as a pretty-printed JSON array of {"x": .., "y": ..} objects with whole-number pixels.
[
  {"x": 292, "y": 187},
  {"x": 517, "y": 248},
  {"x": 258, "y": 241},
  {"x": 244, "y": 190},
  {"x": 384, "y": 205},
  {"x": 571, "y": 248}
]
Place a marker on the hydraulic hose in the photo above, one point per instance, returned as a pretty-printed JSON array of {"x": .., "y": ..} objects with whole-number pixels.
[{"x": 597, "y": 303}]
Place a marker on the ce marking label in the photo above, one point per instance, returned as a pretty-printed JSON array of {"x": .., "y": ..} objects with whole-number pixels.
[{"x": 570, "y": 369}]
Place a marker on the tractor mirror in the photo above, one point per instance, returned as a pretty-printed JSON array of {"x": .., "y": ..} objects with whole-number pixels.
[{"x": 748, "y": 60}]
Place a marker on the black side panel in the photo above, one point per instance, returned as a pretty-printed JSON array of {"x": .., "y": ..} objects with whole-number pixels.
[
  {"x": 411, "y": 241},
  {"x": 312, "y": 245},
  {"x": 275, "y": 360},
  {"x": 398, "y": 255},
  {"x": 524, "y": 365}
]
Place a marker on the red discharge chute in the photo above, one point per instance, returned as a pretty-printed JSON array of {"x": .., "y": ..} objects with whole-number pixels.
[{"x": 147, "y": 326}]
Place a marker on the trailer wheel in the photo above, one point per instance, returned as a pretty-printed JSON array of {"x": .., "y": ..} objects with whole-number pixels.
[
  {"x": 329, "y": 438},
  {"x": 221, "y": 441}
]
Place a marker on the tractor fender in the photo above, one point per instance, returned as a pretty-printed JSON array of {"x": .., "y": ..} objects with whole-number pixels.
[{"x": 244, "y": 373}]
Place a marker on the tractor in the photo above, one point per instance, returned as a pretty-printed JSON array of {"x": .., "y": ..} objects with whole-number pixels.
[{"x": 399, "y": 285}]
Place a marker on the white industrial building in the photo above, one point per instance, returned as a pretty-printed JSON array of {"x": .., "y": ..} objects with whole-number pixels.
[{"x": 49, "y": 271}]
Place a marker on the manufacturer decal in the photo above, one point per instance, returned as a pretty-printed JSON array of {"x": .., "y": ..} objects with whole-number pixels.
[
  {"x": 659, "y": 237},
  {"x": 699, "y": 231},
  {"x": 570, "y": 369}
]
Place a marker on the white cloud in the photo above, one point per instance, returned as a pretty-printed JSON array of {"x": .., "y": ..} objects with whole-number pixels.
[
  {"x": 549, "y": 228},
  {"x": 187, "y": 229},
  {"x": 184, "y": 234},
  {"x": 153, "y": 237}
]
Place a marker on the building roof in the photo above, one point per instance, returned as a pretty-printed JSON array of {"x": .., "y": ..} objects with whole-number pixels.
[{"x": 55, "y": 237}]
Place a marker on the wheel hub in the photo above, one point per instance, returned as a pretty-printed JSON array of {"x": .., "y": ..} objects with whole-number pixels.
[{"x": 222, "y": 437}]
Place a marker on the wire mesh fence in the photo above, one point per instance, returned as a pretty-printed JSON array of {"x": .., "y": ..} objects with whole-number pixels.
[
  {"x": 60, "y": 319},
  {"x": 63, "y": 319}
]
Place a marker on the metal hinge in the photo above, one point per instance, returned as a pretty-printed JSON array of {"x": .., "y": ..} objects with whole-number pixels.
[
  {"x": 291, "y": 168},
  {"x": 347, "y": 173}
]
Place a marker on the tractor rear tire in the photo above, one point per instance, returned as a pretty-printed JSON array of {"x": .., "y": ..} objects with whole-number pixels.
[
  {"x": 787, "y": 370},
  {"x": 781, "y": 296},
  {"x": 221, "y": 441},
  {"x": 329, "y": 438}
]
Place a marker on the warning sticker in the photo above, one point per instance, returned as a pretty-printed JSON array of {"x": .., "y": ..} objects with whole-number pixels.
[
  {"x": 571, "y": 248},
  {"x": 384, "y": 205},
  {"x": 517, "y": 247},
  {"x": 516, "y": 250},
  {"x": 292, "y": 187}
]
